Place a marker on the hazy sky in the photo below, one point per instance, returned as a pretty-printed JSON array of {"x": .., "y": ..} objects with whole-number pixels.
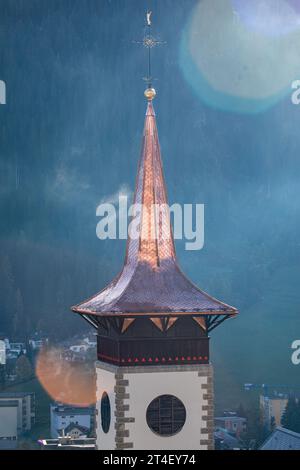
[{"x": 70, "y": 138}]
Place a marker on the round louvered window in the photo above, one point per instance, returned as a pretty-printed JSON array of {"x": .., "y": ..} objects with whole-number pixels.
[{"x": 166, "y": 415}]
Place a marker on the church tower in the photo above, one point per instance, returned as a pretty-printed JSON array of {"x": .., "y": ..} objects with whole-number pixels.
[{"x": 154, "y": 376}]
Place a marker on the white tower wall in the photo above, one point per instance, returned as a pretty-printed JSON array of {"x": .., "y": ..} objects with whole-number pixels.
[{"x": 131, "y": 390}]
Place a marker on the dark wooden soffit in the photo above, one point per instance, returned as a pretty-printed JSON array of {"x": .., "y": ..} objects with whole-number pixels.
[{"x": 162, "y": 322}]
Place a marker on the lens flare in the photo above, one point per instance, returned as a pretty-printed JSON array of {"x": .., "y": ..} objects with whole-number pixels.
[
  {"x": 269, "y": 17},
  {"x": 239, "y": 58},
  {"x": 66, "y": 382},
  {"x": 295, "y": 4}
]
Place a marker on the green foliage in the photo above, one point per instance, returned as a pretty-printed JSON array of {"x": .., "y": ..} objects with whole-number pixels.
[
  {"x": 23, "y": 368},
  {"x": 273, "y": 424},
  {"x": 241, "y": 411},
  {"x": 291, "y": 416},
  {"x": 255, "y": 430}
]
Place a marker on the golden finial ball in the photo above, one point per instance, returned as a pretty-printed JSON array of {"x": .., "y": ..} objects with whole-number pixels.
[{"x": 150, "y": 94}]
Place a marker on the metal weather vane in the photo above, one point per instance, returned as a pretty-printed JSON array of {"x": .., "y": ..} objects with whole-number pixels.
[
  {"x": 149, "y": 41},
  {"x": 148, "y": 17}
]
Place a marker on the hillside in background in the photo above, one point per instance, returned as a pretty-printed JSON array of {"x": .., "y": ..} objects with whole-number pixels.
[{"x": 70, "y": 139}]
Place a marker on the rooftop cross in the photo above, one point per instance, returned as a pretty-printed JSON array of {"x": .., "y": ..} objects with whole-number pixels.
[{"x": 149, "y": 41}]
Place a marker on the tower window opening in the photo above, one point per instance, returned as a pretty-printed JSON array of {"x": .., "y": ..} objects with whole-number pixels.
[
  {"x": 105, "y": 413},
  {"x": 166, "y": 415}
]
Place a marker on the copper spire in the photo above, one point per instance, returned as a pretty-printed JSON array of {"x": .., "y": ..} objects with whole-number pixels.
[
  {"x": 154, "y": 244},
  {"x": 151, "y": 283}
]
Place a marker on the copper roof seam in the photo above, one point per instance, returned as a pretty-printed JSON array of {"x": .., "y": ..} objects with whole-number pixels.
[{"x": 156, "y": 229}]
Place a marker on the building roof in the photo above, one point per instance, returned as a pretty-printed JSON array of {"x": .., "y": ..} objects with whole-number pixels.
[
  {"x": 227, "y": 440},
  {"x": 151, "y": 282},
  {"x": 62, "y": 410},
  {"x": 65, "y": 443},
  {"x": 15, "y": 394},
  {"x": 282, "y": 439},
  {"x": 8, "y": 403},
  {"x": 275, "y": 396},
  {"x": 230, "y": 418},
  {"x": 71, "y": 426}
]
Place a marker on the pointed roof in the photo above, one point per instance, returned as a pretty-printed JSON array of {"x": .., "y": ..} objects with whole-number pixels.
[
  {"x": 282, "y": 439},
  {"x": 151, "y": 282}
]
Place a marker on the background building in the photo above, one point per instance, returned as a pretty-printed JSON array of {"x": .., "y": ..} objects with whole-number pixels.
[
  {"x": 282, "y": 439},
  {"x": 225, "y": 440},
  {"x": 272, "y": 408},
  {"x": 2, "y": 361},
  {"x": 62, "y": 416},
  {"x": 235, "y": 425},
  {"x": 17, "y": 416},
  {"x": 9, "y": 429},
  {"x": 76, "y": 431},
  {"x": 67, "y": 443}
]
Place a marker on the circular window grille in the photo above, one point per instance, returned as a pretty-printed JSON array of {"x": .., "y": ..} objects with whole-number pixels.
[
  {"x": 105, "y": 412},
  {"x": 166, "y": 415}
]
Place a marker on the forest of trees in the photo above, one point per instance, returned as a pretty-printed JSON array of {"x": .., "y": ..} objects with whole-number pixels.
[
  {"x": 38, "y": 287},
  {"x": 291, "y": 416}
]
